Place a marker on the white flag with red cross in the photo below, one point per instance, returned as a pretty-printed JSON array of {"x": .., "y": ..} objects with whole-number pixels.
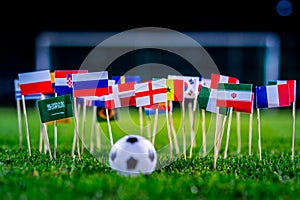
[{"x": 151, "y": 92}]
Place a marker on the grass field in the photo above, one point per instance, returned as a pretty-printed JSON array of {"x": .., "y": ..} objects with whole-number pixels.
[{"x": 240, "y": 176}]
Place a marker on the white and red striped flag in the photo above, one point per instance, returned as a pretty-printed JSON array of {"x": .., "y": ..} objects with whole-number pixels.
[
  {"x": 218, "y": 78},
  {"x": 18, "y": 95},
  {"x": 151, "y": 92},
  {"x": 247, "y": 108},
  {"x": 38, "y": 82}
]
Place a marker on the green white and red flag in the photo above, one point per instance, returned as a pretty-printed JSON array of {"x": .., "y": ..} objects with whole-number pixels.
[
  {"x": 207, "y": 100},
  {"x": 236, "y": 96}
]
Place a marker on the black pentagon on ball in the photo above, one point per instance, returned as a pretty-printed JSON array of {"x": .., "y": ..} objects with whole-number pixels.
[
  {"x": 131, "y": 163},
  {"x": 113, "y": 155},
  {"x": 131, "y": 140},
  {"x": 151, "y": 155}
]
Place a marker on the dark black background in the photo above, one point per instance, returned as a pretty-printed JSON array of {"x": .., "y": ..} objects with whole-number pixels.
[{"x": 21, "y": 22}]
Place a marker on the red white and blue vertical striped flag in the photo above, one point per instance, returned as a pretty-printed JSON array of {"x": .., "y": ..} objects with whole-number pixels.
[
  {"x": 272, "y": 96},
  {"x": 35, "y": 82},
  {"x": 90, "y": 84},
  {"x": 292, "y": 87},
  {"x": 63, "y": 80}
]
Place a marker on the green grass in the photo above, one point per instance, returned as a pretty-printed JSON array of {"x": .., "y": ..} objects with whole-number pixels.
[{"x": 240, "y": 176}]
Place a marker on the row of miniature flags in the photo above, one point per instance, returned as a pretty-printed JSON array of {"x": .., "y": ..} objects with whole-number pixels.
[
  {"x": 224, "y": 91},
  {"x": 215, "y": 94},
  {"x": 267, "y": 97}
]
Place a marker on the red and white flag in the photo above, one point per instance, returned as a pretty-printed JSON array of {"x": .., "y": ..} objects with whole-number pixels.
[
  {"x": 121, "y": 95},
  {"x": 247, "y": 108},
  {"x": 151, "y": 92},
  {"x": 217, "y": 78},
  {"x": 38, "y": 82}
]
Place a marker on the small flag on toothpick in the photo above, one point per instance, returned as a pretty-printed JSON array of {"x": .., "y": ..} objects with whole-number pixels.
[
  {"x": 63, "y": 80},
  {"x": 292, "y": 93},
  {"x": 151, "y": 92},
  {"x": 55, "y": 108},
  {"x": 52, "y": 109},
  {"x": 35, "y": 82},
  {"x": 121, "y": 95},
  {"x": 292, "y": 87},
  {"x": 236, "y": 96},
  {"x": 272, "y": 96},
  {"x": 218, "y": 78},
  {"x": 207, "y": 100},
  {"x": 38, "y": 82},
  {"x": 90, "y": 84},
  {"x": 191, "y": 87},
  {"x": 18, "y": 95},
  {"x": 175, "y": 90},
  {"x": 191, "y": 84}
]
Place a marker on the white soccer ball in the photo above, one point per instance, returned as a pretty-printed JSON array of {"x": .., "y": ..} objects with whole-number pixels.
[{"x": 133, "y": 155}]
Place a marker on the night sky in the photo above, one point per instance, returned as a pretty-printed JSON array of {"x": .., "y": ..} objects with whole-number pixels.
[{"x": 21, "y": 23}]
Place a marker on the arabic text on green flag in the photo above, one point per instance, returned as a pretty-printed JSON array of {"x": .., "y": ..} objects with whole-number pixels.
[{"x": 55, "y": 108}]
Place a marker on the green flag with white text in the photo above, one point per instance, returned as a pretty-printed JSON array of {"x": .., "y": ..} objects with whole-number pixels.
[{"x": 55, "y": 108}]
